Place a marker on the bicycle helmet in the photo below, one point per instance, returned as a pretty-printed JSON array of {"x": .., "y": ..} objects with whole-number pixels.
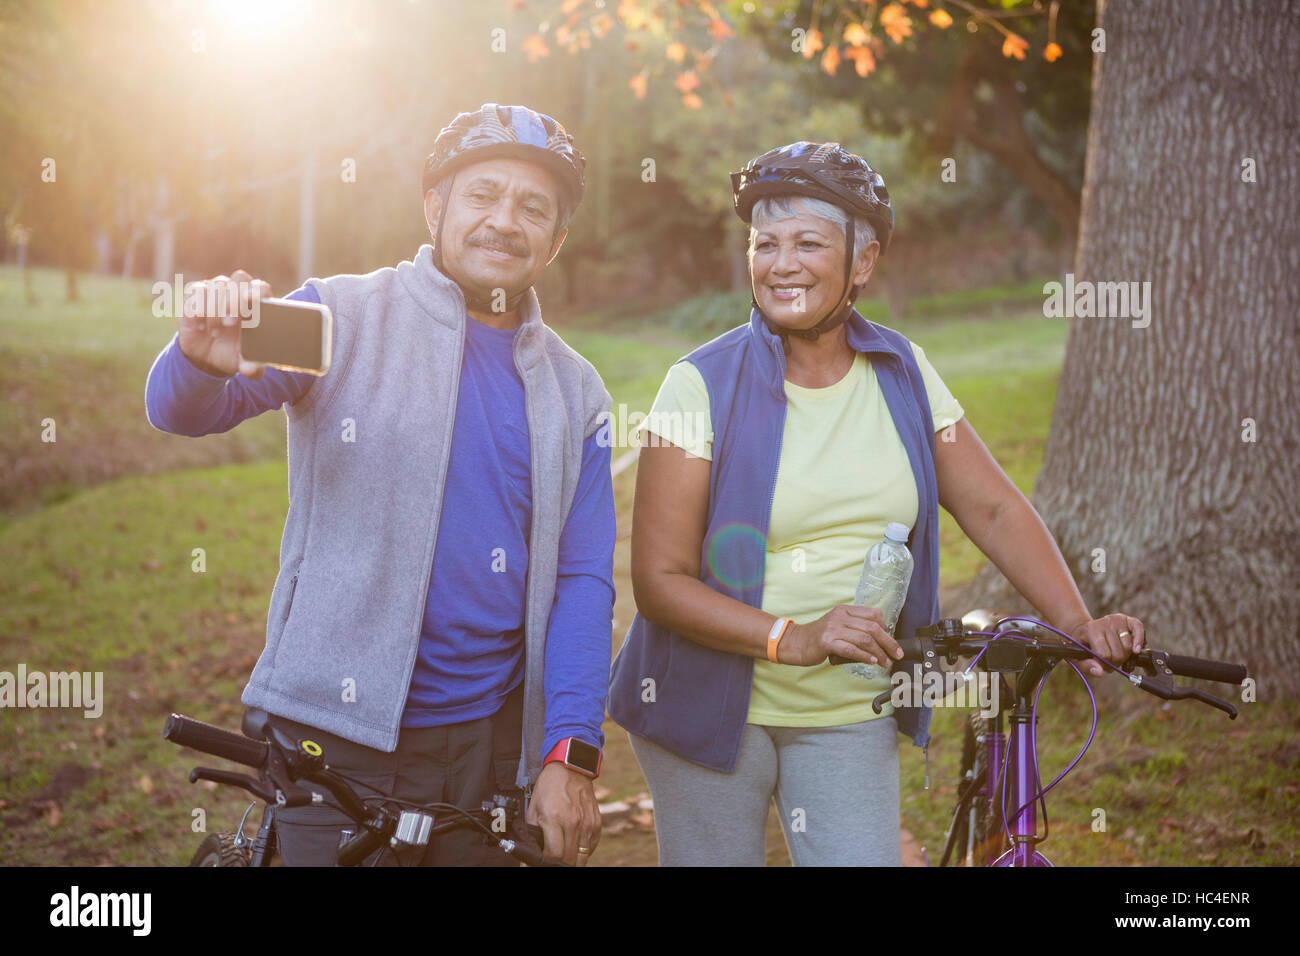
[
  {"x": 513, "y": 132},
  {"x": 825, "y": 171}
]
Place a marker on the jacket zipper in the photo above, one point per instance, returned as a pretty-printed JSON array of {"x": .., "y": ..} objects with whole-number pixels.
[
  {"x": 525, "y": 753},
  {"x": 293, "y": 586},
  {"x": 428, "y": 567}
]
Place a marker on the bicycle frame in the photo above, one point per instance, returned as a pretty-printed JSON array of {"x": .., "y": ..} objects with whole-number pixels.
[{"x": 1016, "y": 765}]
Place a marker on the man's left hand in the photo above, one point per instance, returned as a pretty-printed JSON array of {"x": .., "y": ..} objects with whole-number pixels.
[{"x": 564, "y": 806}]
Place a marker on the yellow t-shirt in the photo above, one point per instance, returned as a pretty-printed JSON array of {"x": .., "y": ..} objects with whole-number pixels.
[{"x": 842, "y": 476}]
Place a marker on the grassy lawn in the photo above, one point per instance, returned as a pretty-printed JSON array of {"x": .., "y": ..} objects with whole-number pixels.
[{"x": 96, "y": 562}]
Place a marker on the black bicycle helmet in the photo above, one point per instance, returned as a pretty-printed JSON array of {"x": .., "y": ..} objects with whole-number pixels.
[
  {"x": 825, "y": 171},
  {"x": 513, "y": 132},
  {"x": 510, "y": 131}
]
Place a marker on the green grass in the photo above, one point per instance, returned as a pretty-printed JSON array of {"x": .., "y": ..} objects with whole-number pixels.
[
  {"x": 97, "y": 533},
  {"x": 112, "y": 319},
  {"x": 104, "y": 582},
  {"x": 83, "y": 366},
  {"x": 1178, "y": 783}
]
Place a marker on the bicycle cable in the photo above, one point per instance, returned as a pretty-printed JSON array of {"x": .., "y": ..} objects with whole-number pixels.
[{"x": 1041, "y": 794}]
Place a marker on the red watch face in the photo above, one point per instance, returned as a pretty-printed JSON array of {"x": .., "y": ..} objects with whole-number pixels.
[{"x": 583, "y": 756}]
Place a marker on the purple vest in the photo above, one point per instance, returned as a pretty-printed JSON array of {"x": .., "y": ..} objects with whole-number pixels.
[{"x": 697, "y": 704}]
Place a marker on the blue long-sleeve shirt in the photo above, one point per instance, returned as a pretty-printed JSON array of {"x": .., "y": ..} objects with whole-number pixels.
[{"x": 470, "y": 654}]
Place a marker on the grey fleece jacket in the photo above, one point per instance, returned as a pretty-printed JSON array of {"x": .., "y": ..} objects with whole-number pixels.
[{"x": 359, "y": 537}]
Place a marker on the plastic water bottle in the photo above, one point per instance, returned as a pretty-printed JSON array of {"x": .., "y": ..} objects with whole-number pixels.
[{"x": 886, "y": 574}]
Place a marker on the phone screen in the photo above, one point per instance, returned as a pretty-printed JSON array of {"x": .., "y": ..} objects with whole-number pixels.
[{"x": 288, "y": 334}]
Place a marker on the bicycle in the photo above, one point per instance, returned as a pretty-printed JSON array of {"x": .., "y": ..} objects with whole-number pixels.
[
  {"x": 285, "y": 766},
  {"x": 981, "y": 832}
]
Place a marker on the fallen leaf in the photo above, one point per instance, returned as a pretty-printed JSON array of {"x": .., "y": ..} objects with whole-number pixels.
[
  {"x": 145, "y": 784},
  {"x": 54, "y": 815}
]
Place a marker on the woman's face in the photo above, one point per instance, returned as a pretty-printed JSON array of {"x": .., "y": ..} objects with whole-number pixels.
[{"x": 797, "y": 265}]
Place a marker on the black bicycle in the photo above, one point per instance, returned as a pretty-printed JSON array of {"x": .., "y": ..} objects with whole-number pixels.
[{"x": 285, "y": 769}]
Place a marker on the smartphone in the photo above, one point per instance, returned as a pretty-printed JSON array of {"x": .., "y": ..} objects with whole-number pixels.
[{"x": 288, "y": 334}]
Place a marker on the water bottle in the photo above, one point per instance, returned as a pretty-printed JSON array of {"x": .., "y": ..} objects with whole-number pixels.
[{"x": 885, "y": 576}]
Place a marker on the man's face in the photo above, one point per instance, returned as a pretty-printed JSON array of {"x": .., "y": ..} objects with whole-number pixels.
[{"x": 498, "y": 231}]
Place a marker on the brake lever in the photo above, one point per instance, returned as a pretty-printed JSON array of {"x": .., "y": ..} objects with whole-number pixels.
[
  {"x": 1162, "y": 685},
  {"x": 1210, "y": 699},
  {"x": 230, "y": 779}
]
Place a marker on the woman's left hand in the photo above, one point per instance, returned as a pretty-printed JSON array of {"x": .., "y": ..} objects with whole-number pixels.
[{"x": 1113, "y": 637}]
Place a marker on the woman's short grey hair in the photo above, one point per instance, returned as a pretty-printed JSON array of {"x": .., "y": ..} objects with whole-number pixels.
[{"x": 780, "y": 208}]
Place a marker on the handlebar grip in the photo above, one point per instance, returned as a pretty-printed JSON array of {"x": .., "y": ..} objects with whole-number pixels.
[
  {"x": 910, "y": 646},
  {"x": 359, "y": 847},
  {"x": 197, "y": 735},
  {"x": 527, "y": 854},
  {"x": 1204, "y": 669}
]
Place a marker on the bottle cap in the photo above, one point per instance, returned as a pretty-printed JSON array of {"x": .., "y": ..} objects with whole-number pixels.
[{"x": 897, "y": 531}]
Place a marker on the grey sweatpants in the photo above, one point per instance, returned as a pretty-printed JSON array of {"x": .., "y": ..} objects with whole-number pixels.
[{"x": 836, "y": 791}]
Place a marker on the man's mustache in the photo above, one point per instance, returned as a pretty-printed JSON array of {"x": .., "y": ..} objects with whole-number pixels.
[{"x": 494, "y": 241}]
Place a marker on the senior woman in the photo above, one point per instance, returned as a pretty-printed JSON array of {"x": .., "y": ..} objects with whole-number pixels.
[{"x": 773, "y": 458}]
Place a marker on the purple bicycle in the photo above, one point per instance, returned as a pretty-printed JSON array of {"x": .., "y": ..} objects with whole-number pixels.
[{"x": 999, "y": 772}]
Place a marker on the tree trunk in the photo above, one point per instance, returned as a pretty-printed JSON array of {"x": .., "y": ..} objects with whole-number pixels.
[{"x": 1151, "y": 455}]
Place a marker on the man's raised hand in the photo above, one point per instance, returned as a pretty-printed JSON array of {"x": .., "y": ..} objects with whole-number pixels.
[{"x": 210, "y": 338}]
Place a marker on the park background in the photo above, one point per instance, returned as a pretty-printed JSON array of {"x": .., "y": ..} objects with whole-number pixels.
[{"x": 144, "y": 138}]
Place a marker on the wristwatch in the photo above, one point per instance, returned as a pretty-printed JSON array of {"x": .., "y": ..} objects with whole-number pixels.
[{"x": 577, "y": 755}]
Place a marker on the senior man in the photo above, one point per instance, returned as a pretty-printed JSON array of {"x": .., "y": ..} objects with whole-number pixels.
[{"x": 441, "y": 620}]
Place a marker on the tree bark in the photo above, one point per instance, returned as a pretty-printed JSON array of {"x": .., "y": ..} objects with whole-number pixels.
[{"x": 1149, "y": 457}]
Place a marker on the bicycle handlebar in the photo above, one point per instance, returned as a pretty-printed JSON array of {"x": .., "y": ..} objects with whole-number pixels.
[
  {"x": 1203, "y": 669},
  {"x": 1196, "y": 667},
  {"x": 1016, "y": 644},
  {"x": 197, "y": 735}
]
